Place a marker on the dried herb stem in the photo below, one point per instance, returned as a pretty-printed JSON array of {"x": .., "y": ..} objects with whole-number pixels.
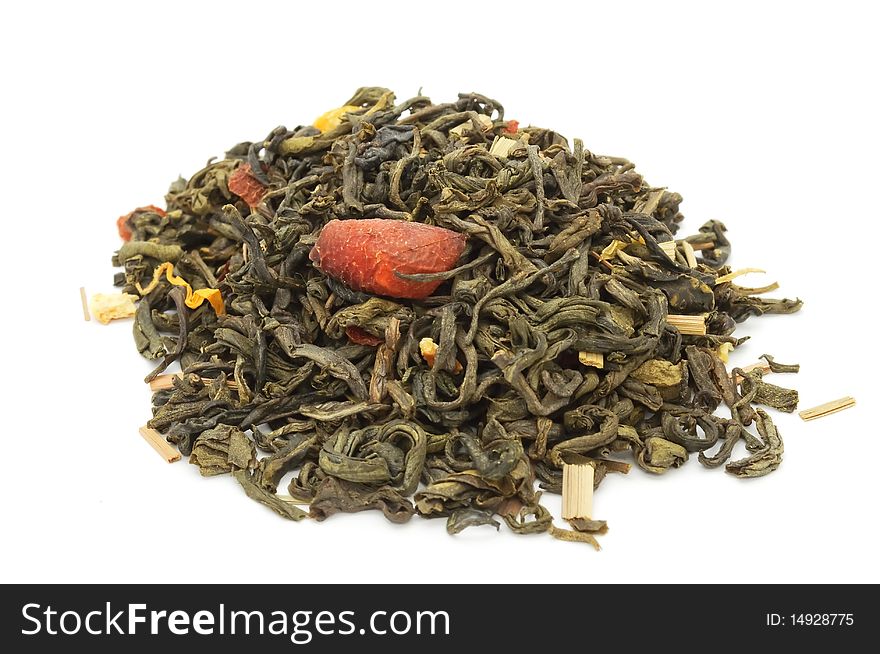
[{"x": 828, "y": 408}]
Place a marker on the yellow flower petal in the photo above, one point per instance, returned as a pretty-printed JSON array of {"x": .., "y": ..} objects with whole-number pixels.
[{"x": 194, "y": 299}]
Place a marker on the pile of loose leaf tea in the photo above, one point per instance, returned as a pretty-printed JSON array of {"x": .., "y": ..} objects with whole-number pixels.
[{"x": 428, "y": 309}]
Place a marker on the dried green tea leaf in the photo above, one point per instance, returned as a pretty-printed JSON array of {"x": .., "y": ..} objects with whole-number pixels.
[
  {"x": 461, "y": 519},
  {"x": 529, "y": 520},
  {"x": 732, "y": 435},
  {"x": 659, "y": 455},
  {"x": 764, "y": 460},
  {"x": 658, "y": 372},
  {"x": 495, "y": 459},
  {"x": 147, "y": 338},
  {"x": 760, "y": 392},
  {"x": 339, "y": 496},
  {"x": 148, "y": 249},
  {"x": 574, "y": 536},
  {"x": 286, "y": 458},
  {"x": 256, "y": 492},
  {"x": 780, "y": 367},
  {"x": 223, "y": 449},
  {"x": 784, "y": 399},
  {"x": 589, "y": 526},
  {"x": 297, "y": 144}
]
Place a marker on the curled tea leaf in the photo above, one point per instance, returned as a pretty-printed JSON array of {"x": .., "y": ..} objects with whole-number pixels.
[
  {"x": 256, "y": 492},
  {"x": 574, "y": 536},
  {"x": 495, "y": 459},
  {"x": 659, "y": 455},
  {"x": 461, "y": 519},
  {"x": 780, "y": 367},
  {"x": 529, "y": 520},
  {"x": 222, "y": 449},
  {"x": 767, "y": 458},
  {"x": 156, "y": 251},
  {"x": 339, "y": 496}
]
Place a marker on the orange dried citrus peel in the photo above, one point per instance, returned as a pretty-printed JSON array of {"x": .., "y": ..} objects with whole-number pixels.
[
  {"x": 428, "y": 350},
  {"x": 194, "y": 299},
  {"x": 333, "y": 118}
]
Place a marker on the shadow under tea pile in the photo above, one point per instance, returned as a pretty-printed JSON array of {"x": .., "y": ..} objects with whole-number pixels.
[{"x": 567, "y": 328}]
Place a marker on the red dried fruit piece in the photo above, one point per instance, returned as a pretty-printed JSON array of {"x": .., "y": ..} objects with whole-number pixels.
[
  {"x": 122, "y": 222},
  {"x": 512, "y": 127},
  {"x": 361, "y": 336},
  {"x": 246, "y": 186},
  {"x": 122, "y": 227},
  {"x": 366, "y": 254}
]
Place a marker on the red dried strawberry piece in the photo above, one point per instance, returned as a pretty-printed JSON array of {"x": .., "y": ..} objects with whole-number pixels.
[
  {"x": 122, "y": 227},
  {"x": 512, "y": 127},
  {"x": 122, "y": 222},
  {"x": 367, "y": 254},
  {"x": 361, "y": 336},
  {"x": 246, "y": 186}
]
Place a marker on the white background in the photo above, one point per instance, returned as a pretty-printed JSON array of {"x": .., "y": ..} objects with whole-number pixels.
[{"x": 763, "y": 115}]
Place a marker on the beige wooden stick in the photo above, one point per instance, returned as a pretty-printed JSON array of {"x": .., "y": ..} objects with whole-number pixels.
[
  {"x": 162, "y": 382},
  {"x": 85, "y": 303},
  {"x": 689, "y": 256},
  {"x": 502, "y": 146},
  {"x": 163, "y": 447},
  {"x": 737, "y": 273},
  {"x": 577, "y": 491},
  {"x": 692, "y": 325},
  {"x": 669, "y": 248},
  {"x": 826, "y": 409}
]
